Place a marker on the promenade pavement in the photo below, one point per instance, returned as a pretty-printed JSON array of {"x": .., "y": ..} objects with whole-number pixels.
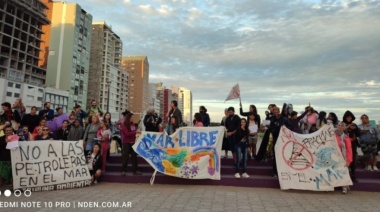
[{"x": 183, "y": 198}]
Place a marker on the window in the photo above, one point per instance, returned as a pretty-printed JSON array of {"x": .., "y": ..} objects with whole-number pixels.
[
  {"x": 9, "y": 94},
  {"x": 10, "y": 84},
  {"x": 18, "y": 86},
  {"x": 39, "y": 99},
  {"x": 16, "y": 95},
  {"x": 30, "y": 97}
]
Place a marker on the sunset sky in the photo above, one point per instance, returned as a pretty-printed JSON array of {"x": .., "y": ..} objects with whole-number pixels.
[{"x": 323, "y": 52}]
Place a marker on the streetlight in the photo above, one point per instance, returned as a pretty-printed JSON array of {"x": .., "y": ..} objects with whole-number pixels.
[{"x": 108, "y": 95}]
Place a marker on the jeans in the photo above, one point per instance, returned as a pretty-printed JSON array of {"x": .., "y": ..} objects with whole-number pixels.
[
  {"x": 128, "y": 150},
  {"x": 241, "y": 154}
]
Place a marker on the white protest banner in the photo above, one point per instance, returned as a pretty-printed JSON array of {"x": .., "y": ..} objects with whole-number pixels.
[
  {"x": 49, "y": 165},
  {"x": 191, "y": 152},
  {"x": 310, "y": 161},
  {"x": 234, "y": 93}
]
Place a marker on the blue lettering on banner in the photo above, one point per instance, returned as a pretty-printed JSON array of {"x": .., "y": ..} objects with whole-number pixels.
[
  {"x": 212, "y": 137},
  {"x": 169, "y": 141}
]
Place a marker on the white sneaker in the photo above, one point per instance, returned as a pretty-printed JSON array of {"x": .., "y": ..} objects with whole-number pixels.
[
  {"x": 375, "y": 168},
  {"x": 344, "y": 190},
  {"x": 245, "y": 175},
  {"x": 368, "y": 168},
  {"x": 237, "y": 175}
]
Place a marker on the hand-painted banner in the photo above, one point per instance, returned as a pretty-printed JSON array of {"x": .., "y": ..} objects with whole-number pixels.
[
  {"x": 191, "y": 152},
  {"x": 49, "y": 165},
  {"x": 310, "y": 161}
]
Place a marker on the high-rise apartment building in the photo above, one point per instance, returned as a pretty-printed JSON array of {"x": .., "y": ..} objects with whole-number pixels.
[
  {"x": 69, "y": 51},
  {"x": 138, "y": 85},
  {"x": 187, "y": 103},
  {"x": 21, "y": 32},
  {"x": 105, "y": 72},
  {"x": 154, "y": 101}
]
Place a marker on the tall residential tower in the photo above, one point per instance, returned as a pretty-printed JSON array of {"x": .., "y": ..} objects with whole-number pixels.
[
  {"x": 105, "y": 72},
  {"x": 69, "y": 51}
]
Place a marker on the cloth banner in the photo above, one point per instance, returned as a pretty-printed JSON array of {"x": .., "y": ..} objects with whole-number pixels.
[
  {"x": 49, "y": 165},
  {"x": 234, "y": 93},
  {"x": 191, "y": 152},
  {"x": 310, "y": 161}
]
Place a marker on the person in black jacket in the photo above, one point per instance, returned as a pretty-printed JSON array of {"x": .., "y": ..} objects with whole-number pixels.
[
  {"x": 63, "y": 132},
  {"x": 94, "y": 163},
  {"x": 276, "y": 123},
  {"x": 31, "y": 119},
  {"x": 353, "y": 131},
  {"x": 252, "y": 109},
  {"x": 241, "y": 149},
  {"x": 5, "y": 158},
  {"x": 205, "y": 116},
  {"x": 152, "y": 121},
  {"x": 232, "y": 125},
  {"x": 294, "y": 121}
]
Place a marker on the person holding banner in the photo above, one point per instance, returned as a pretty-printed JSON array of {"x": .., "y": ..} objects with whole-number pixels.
[
  {"x": 94, "y": 163},
  {"x": 128, "y": 134},
  {"x": 46, "y": 135},
  {"x": 275, "y": 125},
  {"x": 5, "y": 158},
  {"x": 344, "y": 144},
  {"x": 173, "y": 125},
  {"x": 104, "y": 135}
]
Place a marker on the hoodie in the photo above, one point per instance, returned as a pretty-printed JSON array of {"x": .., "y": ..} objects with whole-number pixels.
[
  {"x": 75, "y": 133},
  {"x": 353, "y": 133}
]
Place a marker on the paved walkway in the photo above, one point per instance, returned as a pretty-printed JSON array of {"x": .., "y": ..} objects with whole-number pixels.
[{"x": 192, "y": 198}]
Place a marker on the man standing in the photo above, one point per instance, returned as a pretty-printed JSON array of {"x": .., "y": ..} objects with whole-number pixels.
[
  {"x": 31, "y": 120},
  {"x": 46, "y": 113},
  {"x": 276, "y": 122},
  {"x": 94, "y": 109},
  {"x": 232, "y": 125},
  {"x": 80, "y": 114}
]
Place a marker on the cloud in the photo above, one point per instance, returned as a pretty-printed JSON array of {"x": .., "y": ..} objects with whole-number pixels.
[{"x": 292, "y": 51}]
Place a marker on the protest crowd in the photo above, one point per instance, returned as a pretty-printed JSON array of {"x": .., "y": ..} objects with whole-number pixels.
[{"x": 242, "y": 135}]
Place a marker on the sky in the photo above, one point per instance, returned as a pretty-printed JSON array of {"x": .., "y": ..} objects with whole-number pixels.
[{"x": 322, "y": 52}]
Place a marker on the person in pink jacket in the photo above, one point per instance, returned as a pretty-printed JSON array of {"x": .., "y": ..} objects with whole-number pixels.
[
  {"x": 344, "y": 144},
  {"x": 128, "y": 136}
]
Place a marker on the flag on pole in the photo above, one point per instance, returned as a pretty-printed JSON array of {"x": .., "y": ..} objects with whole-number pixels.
[{"x": 234, "y": 93}]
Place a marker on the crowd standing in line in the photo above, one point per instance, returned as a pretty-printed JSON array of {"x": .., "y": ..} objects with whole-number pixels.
[{"x": 241, "y": 136}]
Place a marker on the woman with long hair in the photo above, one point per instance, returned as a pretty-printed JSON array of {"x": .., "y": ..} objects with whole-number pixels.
[
  {"x": 128, "y": 135},
  {"x": 205, "y": 116},
  {"x": 94, "y": 163},
  {"x": 344, "y": 144},
  {"x": 107, "y": 119},
  {"x": 173, "y": 125},
  {"x": 252, "y": 109},
  {"x": 104, "y": 135},
  {"x": 198, "y": 120},
  {"x": 241, "y": 149},
  {"x": 321, "y": 120},
  {"x": 253, "y": 128},
  {"x": 333, "y": 118}
]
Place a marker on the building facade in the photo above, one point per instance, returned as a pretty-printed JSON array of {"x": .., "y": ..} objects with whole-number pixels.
[
  {"x": 57, "y": 98},
  {"x": 137, "y": 68},
  {"x": 105, "y": 72},
  {"x": 69, "y": 51},
  {"x": 21, "y": 32},
  {"x": 187, "y": 103}
]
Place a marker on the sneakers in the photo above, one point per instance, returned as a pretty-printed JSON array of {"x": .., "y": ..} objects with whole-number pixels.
[
  {"x": 369, "y": 168},
  {"x": 95, "y": 182},
  {"x": 237, "y": 175},
  {"x": 122, "y": 173},
  {"x": 375, "y": 168},
  {"x": 245, "y": 175},
  {"x": 344, "y": 190}
]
